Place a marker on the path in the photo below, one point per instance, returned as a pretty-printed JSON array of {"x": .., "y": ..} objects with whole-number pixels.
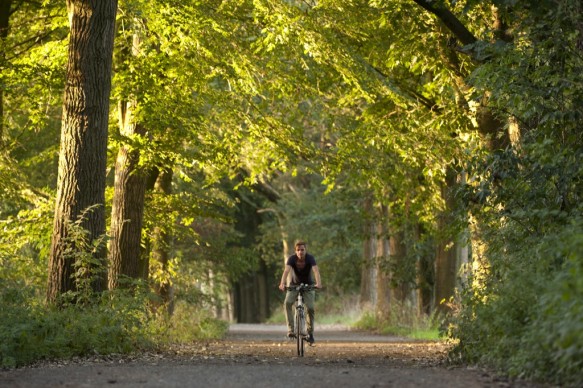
[{"x": 259, "y": 356}]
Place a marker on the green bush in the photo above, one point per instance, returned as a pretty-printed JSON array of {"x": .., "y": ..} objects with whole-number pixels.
[
  {"x": 522, "y": 312},
  {"x": 115, "y": 324},
  {"x": 530, "y": 325},
  {"x": 37, "y": 332},
  {"x": 552, "y": 346},
  {"x": 85, "y": 322}
]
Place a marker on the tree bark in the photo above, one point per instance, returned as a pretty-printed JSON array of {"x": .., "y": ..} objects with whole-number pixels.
[
  {"x": 446, "y": 263},
  {"x": 5, "y": 7},
  {"x": 161, "y": 244},
  {"x": 400, "y": 286},
  {"x": 383, "y": 277},
  {"x": 368, "y": 270},
  {"x": 125, "y": 251},
  {"x": 127, "y": 213},
  {"x": 450, "y": 20},
  {"x": 82, "y": 158},
  {"x": 424, "y": 279}
]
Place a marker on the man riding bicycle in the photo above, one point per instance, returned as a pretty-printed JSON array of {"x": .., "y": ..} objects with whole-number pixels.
[{"x": 300, "y": 265}]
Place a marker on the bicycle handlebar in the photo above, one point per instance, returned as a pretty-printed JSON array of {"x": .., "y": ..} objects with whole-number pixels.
[{"x": 301, "y": 287}]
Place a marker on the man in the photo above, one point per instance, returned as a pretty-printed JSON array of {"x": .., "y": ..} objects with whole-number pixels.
[{"x": 301, "y": 265}]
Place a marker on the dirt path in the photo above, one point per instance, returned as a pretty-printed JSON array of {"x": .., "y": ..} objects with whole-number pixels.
[{"x": 259, "y": 356}]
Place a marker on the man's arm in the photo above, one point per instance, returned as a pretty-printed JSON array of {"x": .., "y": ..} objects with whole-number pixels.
[
  {"x": 317, "y": 276},
  {"x": 284, "y": 277}
]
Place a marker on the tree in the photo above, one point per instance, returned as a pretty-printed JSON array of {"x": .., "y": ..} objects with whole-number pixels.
[
  {"x": 161, "y": 243},
  {"x": 82, "y": 162},
  {"x": 127, "y": 213},
  {"x": 5, "y": 10},
  {"x": 126, "y": 256}
]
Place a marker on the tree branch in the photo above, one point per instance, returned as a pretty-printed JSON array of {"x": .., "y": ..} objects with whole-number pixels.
[{"x": 457, "y": 28}]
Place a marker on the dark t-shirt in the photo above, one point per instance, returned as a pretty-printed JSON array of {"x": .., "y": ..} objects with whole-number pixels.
[{"x": 302, "y": 271}]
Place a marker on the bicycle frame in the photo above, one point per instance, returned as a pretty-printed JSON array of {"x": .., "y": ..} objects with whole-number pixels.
[{"x": 300, "y": 316}]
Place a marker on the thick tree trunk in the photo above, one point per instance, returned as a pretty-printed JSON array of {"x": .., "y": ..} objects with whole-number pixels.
[
  {"x": 82, "y": 160},
  {"x": 126, "y": 256},
  {"x": 127, "y": 213}
]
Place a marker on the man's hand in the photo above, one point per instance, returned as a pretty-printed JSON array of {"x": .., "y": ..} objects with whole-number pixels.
[{"x": 282, "y": 286}]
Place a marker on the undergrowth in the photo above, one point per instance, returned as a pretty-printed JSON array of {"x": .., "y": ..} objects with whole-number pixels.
[
  {"x": 31, "y": 332},
  {"x": 83, "y": 322},
  {"x": 402, "y": 321},
  {"x": 346, "y": 310}
]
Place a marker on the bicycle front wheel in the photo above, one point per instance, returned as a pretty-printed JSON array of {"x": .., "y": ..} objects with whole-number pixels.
[{"x": 300, "y": 324}]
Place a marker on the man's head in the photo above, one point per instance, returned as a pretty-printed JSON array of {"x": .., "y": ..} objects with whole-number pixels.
[{"x": 300, "y": 248}]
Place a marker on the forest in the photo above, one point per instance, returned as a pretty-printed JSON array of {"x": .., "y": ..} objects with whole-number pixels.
[{"x": 158, "y": 159}]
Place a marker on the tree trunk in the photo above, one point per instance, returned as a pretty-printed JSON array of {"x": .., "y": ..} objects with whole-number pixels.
[
  {"x": 246, "y": 309},
  {"x": 368, "y": 270},
  {"x": 424, "y": 280},
  {"x": 491, "y": 127},
  {"x": 161, "y": 244},
  {"x": 383, "y": 278},
  {"x": 127, "y": 213},
  {"x": 446, "y": 264},
  {"x": 82, "y": 158},
  {"x": 5, "y": 6},
  {"x": 400, "y": 286},
  {"x": 262, "y": 293}
]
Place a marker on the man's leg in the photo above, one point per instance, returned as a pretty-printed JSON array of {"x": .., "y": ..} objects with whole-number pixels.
[
  {"x": 290, "y": 298},
  {"x": 309, "y": 300}
]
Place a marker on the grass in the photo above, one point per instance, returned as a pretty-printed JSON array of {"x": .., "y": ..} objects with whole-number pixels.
[
  {"x": 345, "y": 310},
  {"x": 425, "y": 334}
]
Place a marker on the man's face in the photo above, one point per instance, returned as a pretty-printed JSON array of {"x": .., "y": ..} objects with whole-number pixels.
[{"x": 301, "y": 251}]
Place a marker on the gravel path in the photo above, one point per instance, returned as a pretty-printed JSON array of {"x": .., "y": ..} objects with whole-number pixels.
[{"x": 259, "y": 356}]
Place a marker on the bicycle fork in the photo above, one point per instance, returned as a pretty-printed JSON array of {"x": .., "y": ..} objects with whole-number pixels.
[
  {"x": 300, "y": 325},
  {"x": 301, "y": 317}
]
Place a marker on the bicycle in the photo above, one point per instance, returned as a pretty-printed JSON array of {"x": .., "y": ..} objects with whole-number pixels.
[{"x": 300, "y": 333}]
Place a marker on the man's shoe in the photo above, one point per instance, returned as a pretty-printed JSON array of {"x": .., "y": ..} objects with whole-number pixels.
[
  {"x": 311, "y": 339},
  {"x": 291, "y": 334}
]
